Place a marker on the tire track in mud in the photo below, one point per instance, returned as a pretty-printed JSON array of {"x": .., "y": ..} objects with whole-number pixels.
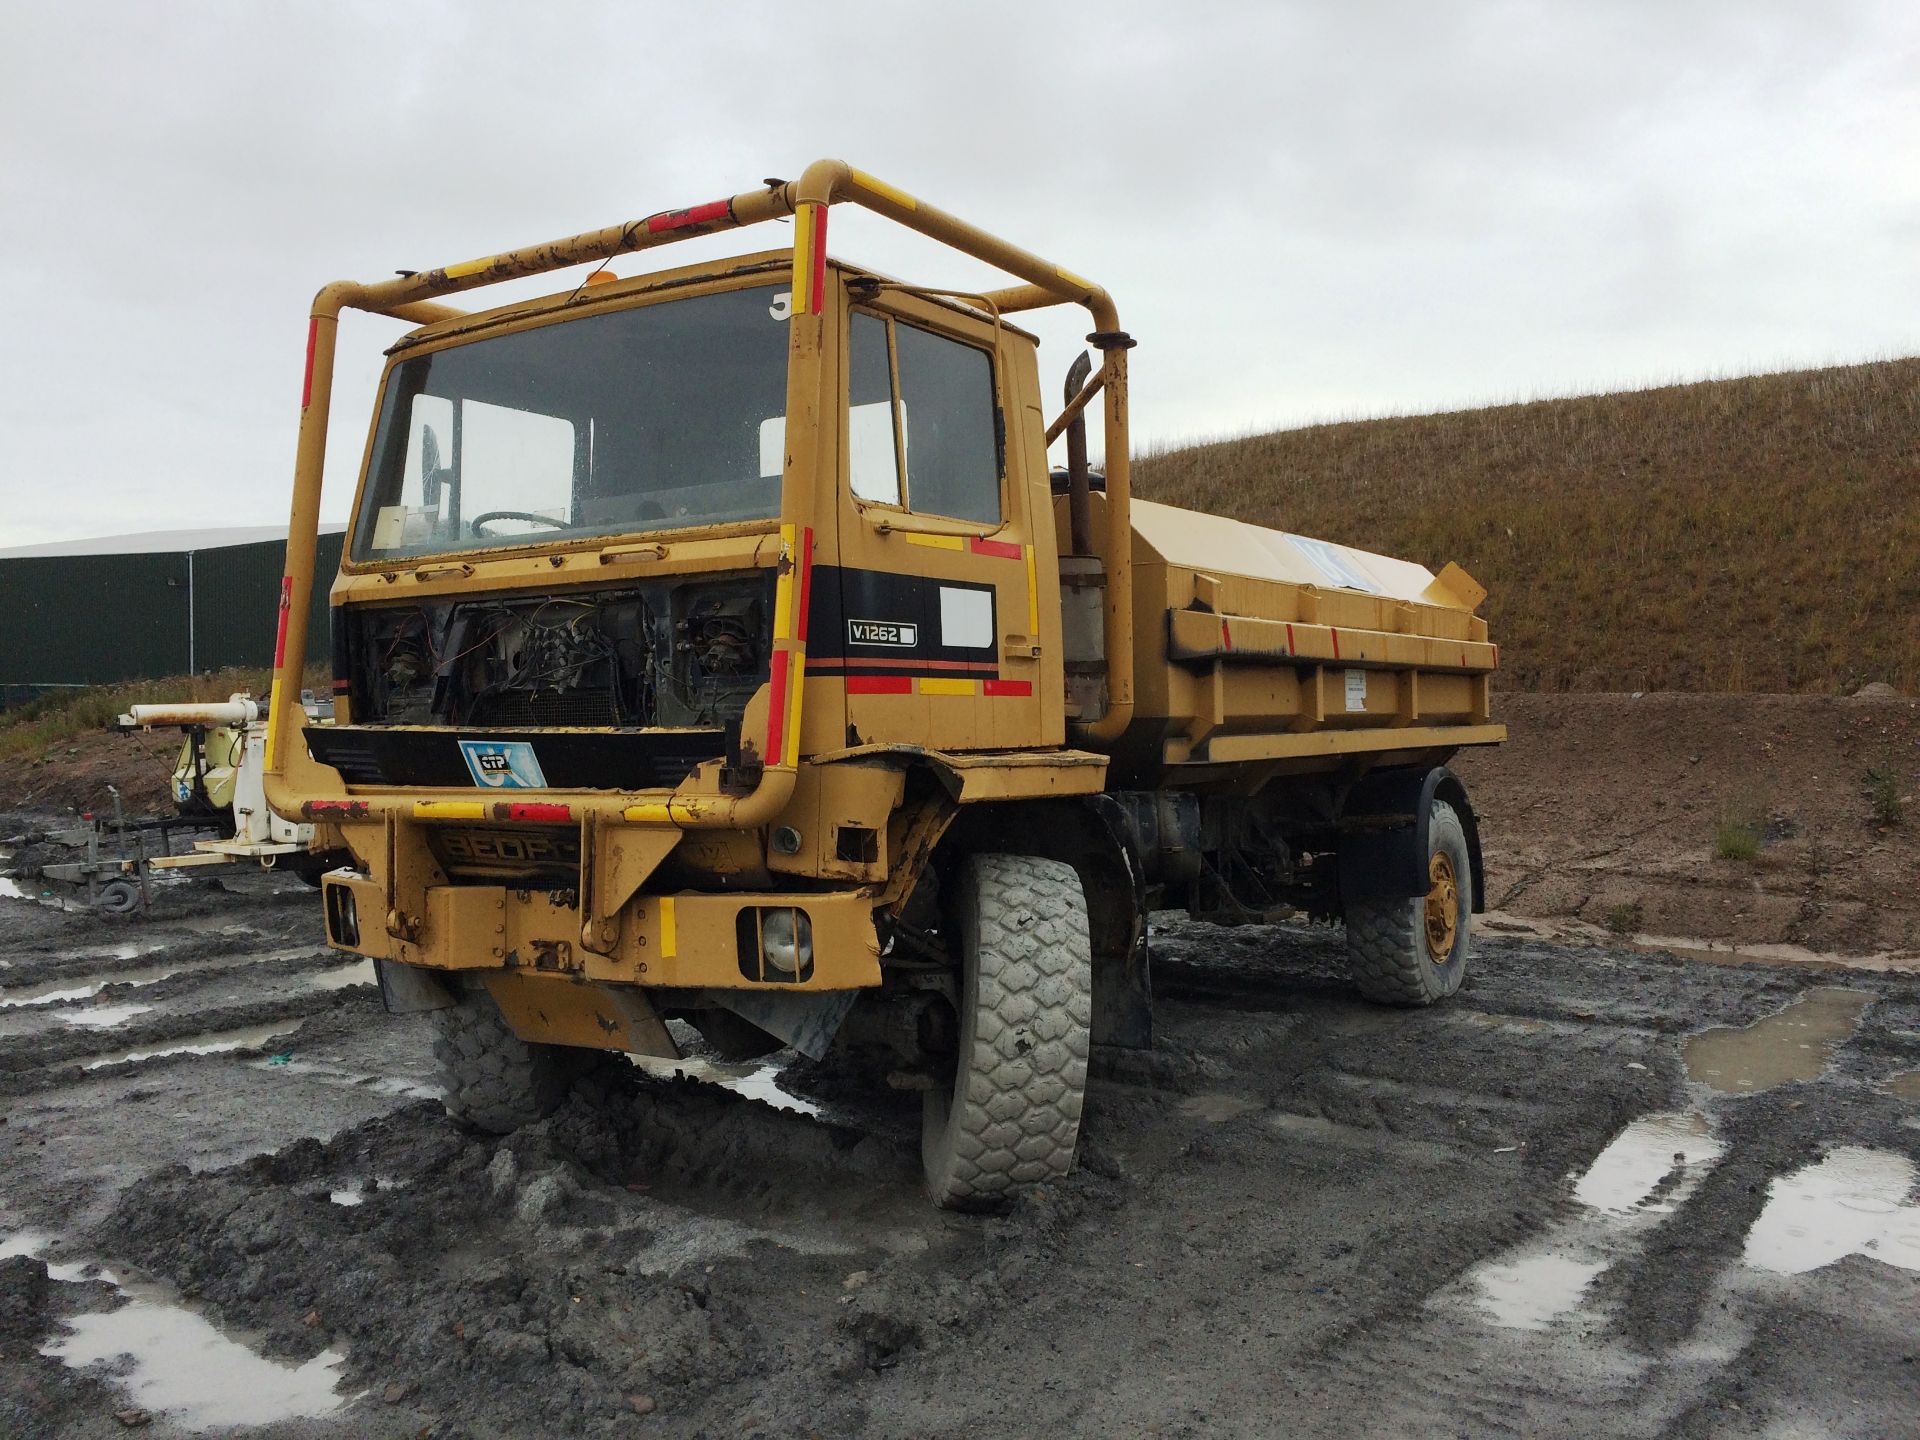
[
  {"x": 63, "y": 1055},
  {"x": 1659, "y": 1327}
]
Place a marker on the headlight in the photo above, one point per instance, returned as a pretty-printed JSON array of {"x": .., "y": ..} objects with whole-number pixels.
[
  {"x": 786, "y": 940},
  {"x": 343, "y": 918}
]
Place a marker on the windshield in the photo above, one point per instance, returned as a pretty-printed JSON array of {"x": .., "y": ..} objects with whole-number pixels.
[{"x": 648, "y": 419}]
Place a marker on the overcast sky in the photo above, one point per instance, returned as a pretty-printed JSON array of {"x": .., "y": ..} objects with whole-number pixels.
[{"x": 1304, "y": 210}]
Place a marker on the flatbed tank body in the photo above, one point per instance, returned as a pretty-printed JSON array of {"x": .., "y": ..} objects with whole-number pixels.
[{"x": 1279, "y": 653}]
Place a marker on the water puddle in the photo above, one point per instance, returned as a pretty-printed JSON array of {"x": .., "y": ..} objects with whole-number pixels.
[
  {"x": 1218, "y": 1108},
  {"x": 173, "y": 1362},
  {"x": 62, "y": 992},
  {"x": 101, "y": 1017},
  {"x": 215, "y": 1043},
  {"x": 35, "y": 1244},
  {"x": 1645, "y": 1166},
  {"x": 215, "y": 925},
  {"x": 1505, "y": 1024},
  {"x": 55, "y": 992},
  {"x": 1715, "y": 953},
  {"x": 1854, "y": 1202},
  {"x": 1644, "y": 1174},
  {"x": 753, "y": 1079},
  {"x": 355, "y": 1192},
  {"x": 396, "y": 1085},
  {"x": 1318, "y": 1130},
  {"x": 1530, "y": 1291},
  {"x": 1796, "y": 1043},
  {"x": 34, "y": 892},
  {"x": 341, "y": 977}
]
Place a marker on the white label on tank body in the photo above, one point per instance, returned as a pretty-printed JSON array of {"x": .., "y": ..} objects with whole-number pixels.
[
  {"x": 966, "y": 618},
  {"x": 1356, "y": 689}
]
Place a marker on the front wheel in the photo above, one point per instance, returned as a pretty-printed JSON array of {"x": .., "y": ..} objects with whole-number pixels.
[
  {"x": 1414, "y": 952},
  {"x": 495, "y": 1081},
  {"x": 1012, "y": 1116}
]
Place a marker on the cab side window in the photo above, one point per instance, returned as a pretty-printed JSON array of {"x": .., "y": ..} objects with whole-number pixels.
[
  {"x": 873, "y": 465},
  {"x": 933, "y": 446}
]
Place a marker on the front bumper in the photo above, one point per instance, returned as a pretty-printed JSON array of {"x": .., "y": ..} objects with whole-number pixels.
[{"x": 691, "y": 940}]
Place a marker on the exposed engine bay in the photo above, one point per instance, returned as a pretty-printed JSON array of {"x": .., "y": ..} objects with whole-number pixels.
[{"x": 673, "y": 654}]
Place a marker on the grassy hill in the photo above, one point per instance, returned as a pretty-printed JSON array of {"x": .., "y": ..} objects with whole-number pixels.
[{"x": 1753, "y": 534}]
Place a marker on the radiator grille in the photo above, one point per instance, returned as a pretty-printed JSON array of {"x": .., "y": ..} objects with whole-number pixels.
[{"x": 547, "y": 707}]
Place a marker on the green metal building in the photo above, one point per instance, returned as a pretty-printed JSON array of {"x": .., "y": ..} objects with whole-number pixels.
[{"x": 170, "y": 602}]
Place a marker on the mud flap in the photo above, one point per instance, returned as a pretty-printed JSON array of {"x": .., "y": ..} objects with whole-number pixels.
[
  {"x": 806, "y": 1022},
  {"x": 409, "y": 990},
  {"x": 1384, "y": 855},
  {"x": 1122, "y": 994},
  {"x": 1115, "y": 882}
]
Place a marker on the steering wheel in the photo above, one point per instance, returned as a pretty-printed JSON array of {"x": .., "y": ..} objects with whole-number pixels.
[{"x": 490, "y": 516}]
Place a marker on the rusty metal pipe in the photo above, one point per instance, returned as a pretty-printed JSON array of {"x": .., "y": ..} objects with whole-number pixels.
[
  {"x": 1119, "y": 555},
  {"x": 1024, "y": 297},
  {"x": 238, "y": 711},
  {"x": 1076, "y": 404},
  {"x": 832, "y": 180},
  {"x": 1079, "y": 485},
  {"x": 594, "y": 246},
  {"x": 423, "y": 312},
  {"x": 303, "y": 538}
]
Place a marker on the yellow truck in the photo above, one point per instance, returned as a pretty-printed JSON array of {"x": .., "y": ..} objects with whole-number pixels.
[{"x": 717, "y": 645}]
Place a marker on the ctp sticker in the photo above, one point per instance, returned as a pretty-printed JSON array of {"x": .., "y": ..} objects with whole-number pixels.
[{"x": 503, "y": 764}]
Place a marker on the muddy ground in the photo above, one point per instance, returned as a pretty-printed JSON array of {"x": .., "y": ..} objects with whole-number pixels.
[
  {"x": 1602, "y": 812},
  {"x": 1543, "y": 1208}
]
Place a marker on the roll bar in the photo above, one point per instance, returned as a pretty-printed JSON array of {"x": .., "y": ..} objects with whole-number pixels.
[{"x": 822, "y": 185}]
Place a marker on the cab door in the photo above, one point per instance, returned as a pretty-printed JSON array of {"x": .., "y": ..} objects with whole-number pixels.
[{"x": 936, "y": 630}]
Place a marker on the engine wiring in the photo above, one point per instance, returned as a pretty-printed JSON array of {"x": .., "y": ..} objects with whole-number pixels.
[{"x": 614, "y": 658}]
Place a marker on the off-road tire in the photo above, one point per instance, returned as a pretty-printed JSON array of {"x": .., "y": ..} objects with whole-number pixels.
[
  {"x": 1012, "y": 1117},
  {"x": 1388, "y": 952},
  {"x": 494, "y": 1080}
]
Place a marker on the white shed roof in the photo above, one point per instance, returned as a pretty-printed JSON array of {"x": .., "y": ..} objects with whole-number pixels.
[{"x": 162, "y": 542}]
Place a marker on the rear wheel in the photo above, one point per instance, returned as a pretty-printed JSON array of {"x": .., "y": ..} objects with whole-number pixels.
[
  {"x": 494, "y": 1080},
  {"x": 1012, "y": 1115},
  {"x": 1414, "y": 952}
]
